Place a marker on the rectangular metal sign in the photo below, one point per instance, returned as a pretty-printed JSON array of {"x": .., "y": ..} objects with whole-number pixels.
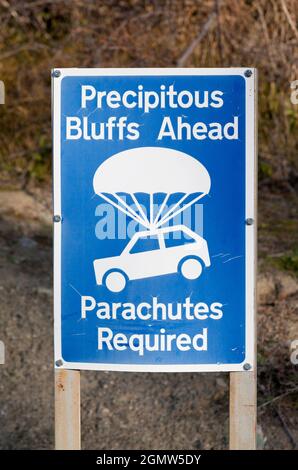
[{"x": 154, "y": 219}]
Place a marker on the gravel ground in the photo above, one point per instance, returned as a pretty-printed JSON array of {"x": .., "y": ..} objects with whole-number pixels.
[{"x": 124, "y": 410}]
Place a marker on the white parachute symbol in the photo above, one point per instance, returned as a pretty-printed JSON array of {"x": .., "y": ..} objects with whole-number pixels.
[{"x": 153, "y": 171}]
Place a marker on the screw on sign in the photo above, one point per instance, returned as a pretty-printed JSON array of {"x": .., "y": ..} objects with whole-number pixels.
[
  {"x": 151, "y": 147},
  {"x": 248, "y": 73}
]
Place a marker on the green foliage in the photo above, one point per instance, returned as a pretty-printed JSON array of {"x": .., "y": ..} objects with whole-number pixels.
[
  {"x": 288, "y": 262},
  {"x": 40, "y": 160},
  {"x": 265, "y": 170},
  {"x": 291, "y": 112},
  {"x": 261, "y": 359}
]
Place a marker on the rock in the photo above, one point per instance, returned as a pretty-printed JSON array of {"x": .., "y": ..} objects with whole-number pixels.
[
  {"x": 44, "y": 291},
  {"x": 220, "y": 382},
  {"x": 20, "y": 205},
  {"x": 25, "y": 242},
  {"x": 286, "y": 285},
  {"x": 275, "y": 287},
  {"x": 266, "y": 289},
  {"x": 105, "y": 411}
]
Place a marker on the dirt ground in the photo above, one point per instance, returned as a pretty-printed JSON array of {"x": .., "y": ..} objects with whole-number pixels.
[{"x": 129, "y": 410}]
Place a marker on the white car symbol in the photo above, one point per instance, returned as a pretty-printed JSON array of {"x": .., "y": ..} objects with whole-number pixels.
[{"x": 151, "y": 253}]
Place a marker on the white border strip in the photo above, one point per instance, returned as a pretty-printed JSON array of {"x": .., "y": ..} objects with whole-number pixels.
[{"x": 250, "y": 255}]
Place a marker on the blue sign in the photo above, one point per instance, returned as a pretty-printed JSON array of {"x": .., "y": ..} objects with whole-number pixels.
[{"x": 154, "y": 219}]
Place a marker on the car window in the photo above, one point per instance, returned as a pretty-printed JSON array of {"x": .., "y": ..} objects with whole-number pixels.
[
  {"x": 145, "y": 244},
  {"x": 177, "y": 238}
]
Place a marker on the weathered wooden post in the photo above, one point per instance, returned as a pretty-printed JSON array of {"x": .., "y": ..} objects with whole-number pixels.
[{"x": 67, "y": 410}]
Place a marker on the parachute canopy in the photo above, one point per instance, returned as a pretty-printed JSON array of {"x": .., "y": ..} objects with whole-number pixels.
[{"x": 151, "y": 170}]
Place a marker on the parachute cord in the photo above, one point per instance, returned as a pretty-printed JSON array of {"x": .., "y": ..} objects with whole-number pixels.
[
  {"x": 151, "y": 209},
  {"x": 139, "y": 207},
  {"x": 174, "y": 207},
  {"x": 129, "y": 209},
  {"x": 122, "y": 209},
  {"x": 161, "y": 209},
  {"x": 164, "y": 221}
]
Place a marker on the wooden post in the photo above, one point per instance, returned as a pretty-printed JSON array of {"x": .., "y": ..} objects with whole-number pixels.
[
  {"x": 243, "y": 410},
  {"x": 67, "y": 410}
]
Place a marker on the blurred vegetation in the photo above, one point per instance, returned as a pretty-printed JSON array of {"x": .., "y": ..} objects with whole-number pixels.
[
  {"x": 287, "y": 262},
  {"x": 38, "y": 35}
]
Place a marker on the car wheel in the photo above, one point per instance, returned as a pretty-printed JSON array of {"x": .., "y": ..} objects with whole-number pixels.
[
  {"x": 115, "y": 281},
  {"x": 191, "y": 268}
]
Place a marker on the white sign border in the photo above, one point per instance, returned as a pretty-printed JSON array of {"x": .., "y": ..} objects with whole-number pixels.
[{"x": 250, "y": 213}]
